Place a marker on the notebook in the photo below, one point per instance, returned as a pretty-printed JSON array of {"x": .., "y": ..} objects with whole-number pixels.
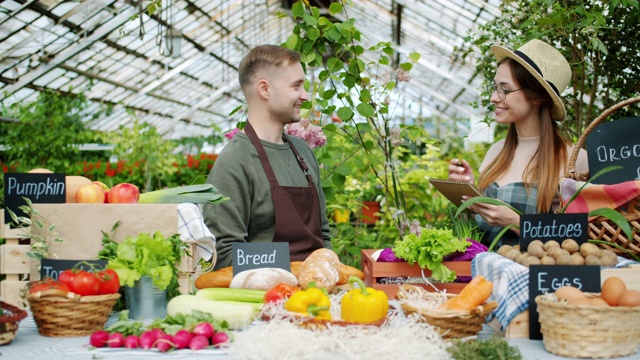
[{"x": 454, "y": 190}]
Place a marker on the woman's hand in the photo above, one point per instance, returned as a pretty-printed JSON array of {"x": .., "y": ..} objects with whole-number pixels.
[
  {"x": 460, "y": 170},
  {"x": 496, "y": 215}
]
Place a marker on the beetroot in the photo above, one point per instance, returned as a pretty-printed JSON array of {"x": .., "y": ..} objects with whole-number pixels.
[
  {"x": 204, "y": 328},
  {"x": 164, "y": 342},
  {"x": 116, "y": 340},
  {"x": 182, "y": 338},
  {"x": 99, "y": 338},
  {"x": 132, "y": 342},
  {"x": 219, "y": 338},
  {"x": 198, "y": 342}
]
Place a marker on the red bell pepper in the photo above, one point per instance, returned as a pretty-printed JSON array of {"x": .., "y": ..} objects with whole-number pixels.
[{"x": 279, "y": 293}]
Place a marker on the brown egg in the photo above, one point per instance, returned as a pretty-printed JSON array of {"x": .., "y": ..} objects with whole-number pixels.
[
  {"x": 569, "y": 293},
  {"x": 598, "y": 302},
  {"x": 629, "y": 298},
  {"x": 612, "y": 288}
]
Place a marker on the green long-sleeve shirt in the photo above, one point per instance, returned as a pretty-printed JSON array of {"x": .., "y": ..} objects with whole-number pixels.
[{"x": 249, "y": 214}]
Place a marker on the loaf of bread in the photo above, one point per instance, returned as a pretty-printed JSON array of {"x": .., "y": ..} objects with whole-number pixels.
[
  {"x": 295, "y": 268},
  {"x": 218, "y": 278},
  {"x": 322, "y": 267},
  {"x": 262, "y": 279},
  {"x": 346, "y": 271}
]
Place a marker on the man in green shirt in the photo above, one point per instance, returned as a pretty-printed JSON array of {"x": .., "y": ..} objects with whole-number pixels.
[{"x": 272, "y": 179}]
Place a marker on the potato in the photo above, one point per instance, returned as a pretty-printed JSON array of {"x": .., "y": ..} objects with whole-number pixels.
[
  {"x": 556, "y": 252},
  {"x": 520, "y": 258},
  {"x": 587, "y": 249},
  {"x": 547, "y": 260},
  {"x": 550, "y": 244},
  {"x": 536, "y": 242},
  {"x": 564, "y": 259},
  {"x": 577, "y": 259},
  {"x": 571, "y": 246},
  {"x": 511, "y": 254},
  {"x": 608, "y": 258},
  {"x": 536, "y": 250},
  {"x": 531, "y": 260},
  {"x": 517, "y": 247},
  {"x": 504, "y": 249},
  {"x": 592, "y": 260}
]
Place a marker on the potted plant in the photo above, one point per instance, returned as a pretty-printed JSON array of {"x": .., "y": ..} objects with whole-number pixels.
[{"x": 147, "y": 265}]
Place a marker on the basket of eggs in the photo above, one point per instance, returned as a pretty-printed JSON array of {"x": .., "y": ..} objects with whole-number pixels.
[{"x": 576, "y": 324}]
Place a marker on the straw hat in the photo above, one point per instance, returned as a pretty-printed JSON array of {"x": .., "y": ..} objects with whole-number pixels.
[{"x": 547, "y": 65}]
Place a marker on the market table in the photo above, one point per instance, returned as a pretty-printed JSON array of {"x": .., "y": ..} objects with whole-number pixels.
[{"x": 31, "y": 345}]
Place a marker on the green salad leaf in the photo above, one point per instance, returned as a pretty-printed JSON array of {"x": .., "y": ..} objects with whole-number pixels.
[
  {"x": 429, "y": 250},
  {"x": 148, "y": 255}
]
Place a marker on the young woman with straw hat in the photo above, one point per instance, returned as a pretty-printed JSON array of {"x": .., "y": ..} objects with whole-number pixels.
[{"x": 523, "y": 169}]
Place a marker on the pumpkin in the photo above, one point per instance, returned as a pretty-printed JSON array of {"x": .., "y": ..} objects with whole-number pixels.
[
  {"x": 39, "y": 171},
  {"x": 72, "y": 184}
]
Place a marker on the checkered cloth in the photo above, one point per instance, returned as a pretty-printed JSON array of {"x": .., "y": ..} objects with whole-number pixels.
[
  {"x": 192, "y": 229},
  {"x": 510, "y": 283},
  {"x": 594, "y": 196}
]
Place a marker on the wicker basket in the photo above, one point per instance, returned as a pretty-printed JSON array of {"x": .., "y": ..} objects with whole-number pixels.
[
  {"x": 588, "y": 331},
  {"x": 451, "y": 324},
  {"x": 601, "y": 228},
  {"x": 61, "y": 314},
  {"x": 9, "y": 319}
]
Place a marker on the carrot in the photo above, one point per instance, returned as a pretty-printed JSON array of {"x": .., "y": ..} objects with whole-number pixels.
[{"x": 473, "y": 294}]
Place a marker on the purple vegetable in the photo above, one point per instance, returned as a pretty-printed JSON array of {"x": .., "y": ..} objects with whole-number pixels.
[
  {"x": 99, "y": 338},
  {"x": 205, "y": 329},
  {"x": 116, "y": 340},
  {"x": 132, "y": 342},
  {"x": 387, "y": 255},
  {"x": 182, "y": 338},
  {"x": 164, "y": 342},
  {"x": 199, "y": 342},
  {"x": 219, "y": 338},
  {"x": 147, "y": 339},
  {"x": 474, "y": 249}
]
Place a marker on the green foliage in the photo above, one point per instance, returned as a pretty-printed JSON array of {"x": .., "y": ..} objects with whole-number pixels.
[
  {"x": 597, "y": 38},
  {"x": 48, "y": 132},
  {"x": 494, "y": 348}
]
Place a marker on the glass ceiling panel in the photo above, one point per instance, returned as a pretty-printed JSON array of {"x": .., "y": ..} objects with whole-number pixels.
[{"x": 63, "y": 45}]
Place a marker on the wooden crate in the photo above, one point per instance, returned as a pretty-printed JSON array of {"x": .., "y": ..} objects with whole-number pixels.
[{"x": 374, "y": 270}]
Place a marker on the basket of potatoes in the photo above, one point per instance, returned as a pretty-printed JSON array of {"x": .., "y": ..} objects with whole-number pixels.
[{"x": 566, "y": 252}]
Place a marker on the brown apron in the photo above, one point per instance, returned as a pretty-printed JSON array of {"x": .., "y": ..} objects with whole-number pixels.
[{"x": 296, "y": 209}]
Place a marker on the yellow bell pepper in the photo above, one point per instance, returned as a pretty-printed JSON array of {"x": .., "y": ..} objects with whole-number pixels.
[
  {"x": 364, "y": 304},
  {"x": 312, "y": 302}
]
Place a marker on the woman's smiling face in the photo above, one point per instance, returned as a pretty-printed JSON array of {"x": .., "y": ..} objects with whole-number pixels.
[{"x": 515, "y": 108}]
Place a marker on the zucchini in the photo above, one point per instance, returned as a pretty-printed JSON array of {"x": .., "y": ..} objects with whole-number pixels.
[
  {"x": 236, "y": 314},
  {"x": 221, "y": 294}
]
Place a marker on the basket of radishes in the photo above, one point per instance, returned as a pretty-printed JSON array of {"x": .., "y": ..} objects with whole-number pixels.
[
  {"x": 196, "y": 331},
  {"x": 77, "y": 304}
]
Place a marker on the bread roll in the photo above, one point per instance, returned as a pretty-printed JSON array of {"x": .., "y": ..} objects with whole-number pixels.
[
  {"x": 262, "y": 279},
  {"x": 322, "y": 267},
  {"x": 218, "y": 278},
  {"x": 346, "y": 271},
  {"x": 295, "y": 268}
]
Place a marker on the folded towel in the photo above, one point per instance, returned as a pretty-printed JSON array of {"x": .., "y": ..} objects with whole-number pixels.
[{"x": 595, "y": 196}]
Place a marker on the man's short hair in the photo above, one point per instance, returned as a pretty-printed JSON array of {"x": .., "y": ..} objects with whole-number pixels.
[{"x": 264, "y": 56}]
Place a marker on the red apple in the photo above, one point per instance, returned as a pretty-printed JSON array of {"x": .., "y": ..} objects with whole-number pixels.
[
  {"x": 90, "y": 194},
  {"x": 105, "y": 188},
  {"x": 124, "y": 193}
]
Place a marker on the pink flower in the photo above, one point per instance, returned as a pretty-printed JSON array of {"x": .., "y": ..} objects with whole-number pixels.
[
  {"x": 232, "y": 133},
  {"x": 308, "y": 132}
]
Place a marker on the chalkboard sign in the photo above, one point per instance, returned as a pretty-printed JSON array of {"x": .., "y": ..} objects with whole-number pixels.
[
  {"x": 248, "y": 256},
  {"x": 53, "y": 267},
  {"x": 615, "y": 143},
  {"x": 557, "y": 227},
  {"x": 38, "y": 188},
  {"x": 548, "y": 278}
]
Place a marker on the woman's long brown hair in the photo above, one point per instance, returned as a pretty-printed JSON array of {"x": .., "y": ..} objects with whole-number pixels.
[{"x": 550, "y": 159}]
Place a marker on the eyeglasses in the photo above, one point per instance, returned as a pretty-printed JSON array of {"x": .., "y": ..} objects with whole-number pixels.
[{"x": 502, "y": 92}]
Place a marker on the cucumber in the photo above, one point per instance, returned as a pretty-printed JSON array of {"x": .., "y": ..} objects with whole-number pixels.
[
  {"x": 236, "y": 314},
  {"x": 229, "y": 294}
]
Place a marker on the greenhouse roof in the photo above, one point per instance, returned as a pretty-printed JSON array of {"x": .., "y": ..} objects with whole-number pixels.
[{"x": 92, "y": 46}]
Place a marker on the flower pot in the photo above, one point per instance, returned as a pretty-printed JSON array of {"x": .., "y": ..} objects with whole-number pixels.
[
  {"x": 144, "y": 300},
  {"x": 341, "y": 215},
  {"x": 368, "y": 212}
]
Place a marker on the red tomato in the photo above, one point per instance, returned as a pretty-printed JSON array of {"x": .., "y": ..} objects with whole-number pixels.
[
  {"x": 109, "y": 281},
  {"x": 279, "y": 292},
  {"x": 66, "y": 277},
  {"x": 86, "y": 283},
  {"x": 46, "y": 284}
]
